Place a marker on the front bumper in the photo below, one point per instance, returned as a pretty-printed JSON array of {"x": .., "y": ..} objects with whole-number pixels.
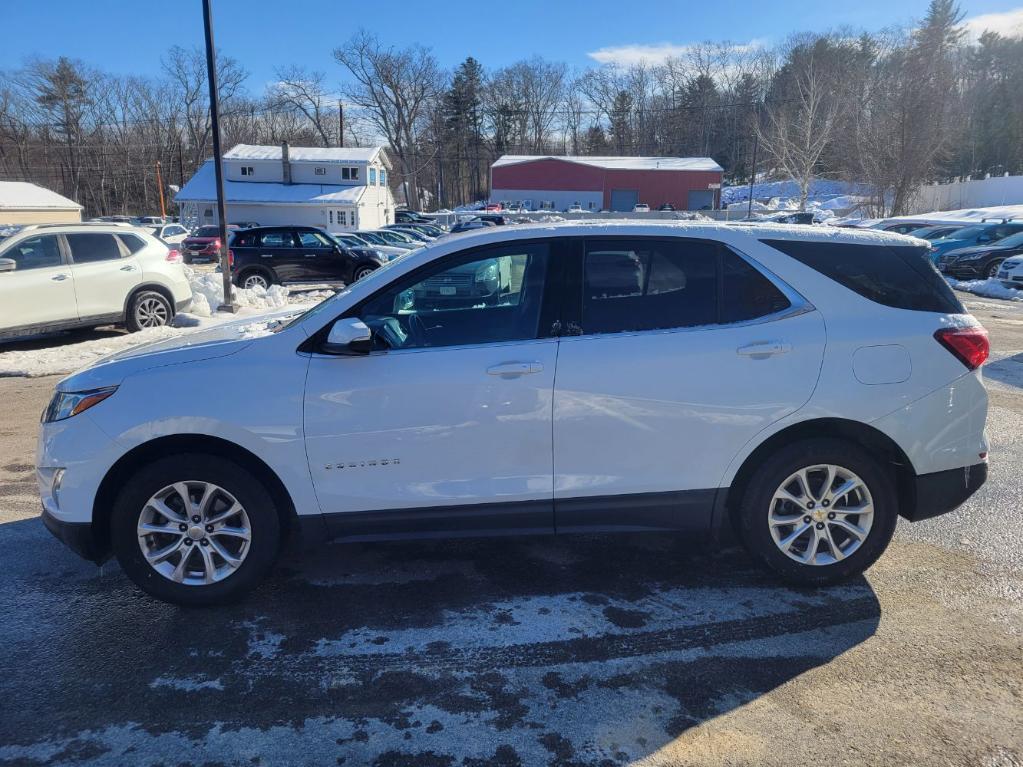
[
  {"x": 943, "y": 491},
  {"x": 77, "y": 536},
  {"x": 959, "y": 271}
]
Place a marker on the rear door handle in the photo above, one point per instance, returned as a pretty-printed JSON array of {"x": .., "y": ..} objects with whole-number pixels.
[
  {"x": 764, "y": 349},
  {"x": 310, "y": 255},
  {"x": 60, "y": 277},
  {"x": 514, "y": 369},
  {"x": 266, "y": 255},
  {"x": 128, "y": 268}
]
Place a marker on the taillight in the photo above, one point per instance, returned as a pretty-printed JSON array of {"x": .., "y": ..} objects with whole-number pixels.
[
  {"x": 230, "y": 259},
  {"x": 215, "y": 244},
  {"x": 969, "y": 345},
  {"x": 173, "y": 256}
]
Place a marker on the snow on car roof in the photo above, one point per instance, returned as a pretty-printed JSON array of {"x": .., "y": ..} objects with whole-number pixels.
[
  {"x": 619, "y": 163},
  {"x": 202, "y": 187},
  {"x": 304, "y": 153},
  {"x": 760, "y": 231}
]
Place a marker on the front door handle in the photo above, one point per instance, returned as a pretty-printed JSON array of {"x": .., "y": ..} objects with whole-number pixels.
[
  {"x": 310, "y": 255},
  {"x": 127, "y": 268},
  {"x": 514, "y": 369},
  {"x": 763, "y": 349},
  {"x": 60, "y": 277}
]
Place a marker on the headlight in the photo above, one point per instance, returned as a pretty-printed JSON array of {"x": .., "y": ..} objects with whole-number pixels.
[
  {"x": 66, "y": 404},
  {"x": 972, "y": 256}
]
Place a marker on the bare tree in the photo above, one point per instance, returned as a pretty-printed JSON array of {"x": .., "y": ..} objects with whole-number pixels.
[
  {"x": 396, "y": 89},
  {"x": 800, "y": 126},
  {"x": 306, "y": 92}
]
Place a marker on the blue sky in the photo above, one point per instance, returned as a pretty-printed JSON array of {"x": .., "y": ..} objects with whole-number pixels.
[{"x": 129, "y": 37}]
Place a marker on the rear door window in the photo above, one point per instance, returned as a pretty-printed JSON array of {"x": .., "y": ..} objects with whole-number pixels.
[
  {"x": 132, "y": 242},
  {"x": 899, "y": 276},
  {"x": 276, "y": 239},
  {"x": 88, "y": 247},
  {"x": 746, "y": 294}
]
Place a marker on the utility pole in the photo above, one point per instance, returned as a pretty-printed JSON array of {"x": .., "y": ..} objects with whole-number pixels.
[
  {"x": 753, "y": 170},
  {"x": 211, "y": 71},
  {"x": 159, "y": 186},
  {"x": 340, "y": 123}
]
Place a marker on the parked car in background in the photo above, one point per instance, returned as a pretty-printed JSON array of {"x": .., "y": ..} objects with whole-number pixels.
[
  {"x": 376, "y": 239},
  {"x": 203, "y": 246},
  {"x": 60, "y": 276},
  {"x": 935, "y": 232},
  {"x": 410, "y": 217},
  {"x": 980, "y": 261},
  {"x": 274, "y": 255},
  {"x": 493, "y": 207},
  {"x": 640, "y": 207},
  {"x": 472, "y": 224},
  {"x": 1011, "y": 272},
  {"x": 402, "y": 408},
  {"x": 172, "y": 234},
  {"x": 574, "y": 208},
  {"x": 349, "y": 240},
  {"x": 244, "y": 224},
  {"x": 977, "y": 234},
  {"x": 394, "y": 237},
  {"x": 152, "y": 220},
  {"x": 424, "y": 230},
  {"x": 899, "y": 227},
  {"x": 666, "y": 206}
]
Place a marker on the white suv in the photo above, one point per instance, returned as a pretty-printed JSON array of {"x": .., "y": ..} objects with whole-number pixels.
[
  {"x": 60, "y": 276},
  {"x": 803, "y": 388}
]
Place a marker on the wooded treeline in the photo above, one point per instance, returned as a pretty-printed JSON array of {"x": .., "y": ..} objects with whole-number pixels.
[{"x": 891, "y": 109}]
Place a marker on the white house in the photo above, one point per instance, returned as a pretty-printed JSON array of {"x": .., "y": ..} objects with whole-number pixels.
[
  {"x": 335, "y": 188},
  {"x": 25, "y": 203}
]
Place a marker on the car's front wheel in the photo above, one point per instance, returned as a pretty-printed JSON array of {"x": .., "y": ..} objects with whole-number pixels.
[
  {"x": 195, "y": 529},
  {"x": 363, "y": 270},
  {"x": 992, "y": 270},
  {"x": 818, "y": 511},
  {"x": 255, "y": 279}
]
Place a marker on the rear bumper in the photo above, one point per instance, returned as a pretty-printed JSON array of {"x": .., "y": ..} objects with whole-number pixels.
[
  {"x": 943, "y": 491},
  {"x": 77, "y": 536}
]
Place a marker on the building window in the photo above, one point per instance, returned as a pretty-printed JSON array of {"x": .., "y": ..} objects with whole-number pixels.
[
  {"x": 383, "y": 177},
  {"x": 372, "y": 176},
  {"x": 247, "y": 170},
  {"x": 342, "y": 218},
  {"x": 355, "y": 174},
  {"x": 331, "y": 218},
  {"x": 320, "y": 171}
]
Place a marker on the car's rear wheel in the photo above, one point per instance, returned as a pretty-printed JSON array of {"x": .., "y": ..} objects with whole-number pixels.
[
  {"x": 361, "y": 271},
  {"x": 148, "y": 309},
  {"x": 818, "y": 511},
  {"x": 255, "y": 279},
  {"x": 195, "y": 529},
  {"x": 992, "y": 270}
]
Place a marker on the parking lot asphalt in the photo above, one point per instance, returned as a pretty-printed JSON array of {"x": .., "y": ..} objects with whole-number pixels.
[{"x": 591, "y": 650}]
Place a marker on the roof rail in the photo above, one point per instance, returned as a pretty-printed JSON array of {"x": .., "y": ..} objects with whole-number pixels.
[
  {"x": 81, "y": 223},
  {"x": 999, "y": 219}
]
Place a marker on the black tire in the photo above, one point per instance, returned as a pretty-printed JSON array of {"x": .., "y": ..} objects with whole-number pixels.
[
  {"x": 187, "y": 259},
  {"x": 362, "y": 270},
  {"x": 751, "y": 517},
  {"x": 992, "y": 270},
  {"x": 148, "y": 304},
  {"x": 195, "y": 467},
  {"x": 250, "y": 273}
]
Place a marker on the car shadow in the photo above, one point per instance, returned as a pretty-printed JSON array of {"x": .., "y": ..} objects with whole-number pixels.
[
  {"x": 60, "y": 338},
  {"x": 1008, "y": 370},
  {"x": 567, "y": 650}
]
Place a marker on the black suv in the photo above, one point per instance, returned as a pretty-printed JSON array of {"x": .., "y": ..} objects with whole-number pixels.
[{"x": 279, "y": 254}]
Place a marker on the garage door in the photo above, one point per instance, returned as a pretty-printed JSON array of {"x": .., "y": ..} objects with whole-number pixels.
[
  {"x": 624, "y": 199},
  {"x": 702, "y": 199}
]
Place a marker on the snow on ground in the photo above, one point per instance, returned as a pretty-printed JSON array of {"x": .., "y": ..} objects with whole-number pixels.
[
  {"x": 63, "y": 355},
  {"x": 967, "y": 215},
  {"x": 987, "y": 288}
]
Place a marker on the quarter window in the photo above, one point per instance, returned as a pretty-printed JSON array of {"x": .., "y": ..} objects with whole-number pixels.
[
  {"x": 134, "y": 243},
  {"x": 34, "y": 253},
  {"x": 313, "y": 240},
  {"x": 487, "y": 296},
  {"x": 87, "y": 247}
]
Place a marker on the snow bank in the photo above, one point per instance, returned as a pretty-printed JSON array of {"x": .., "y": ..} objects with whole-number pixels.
[
  {"x": 987, "y": 289},
  {"x": 208, "y": 294},
  {"x": 66, "y": 358}
]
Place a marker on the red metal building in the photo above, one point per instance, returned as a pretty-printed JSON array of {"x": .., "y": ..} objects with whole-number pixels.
[{"x": 606, "y": 183}]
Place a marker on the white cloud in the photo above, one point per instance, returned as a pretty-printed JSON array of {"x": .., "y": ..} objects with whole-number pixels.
[
  {"x": 655, "y": 53},
  {"x": 1008, "y": 23}
]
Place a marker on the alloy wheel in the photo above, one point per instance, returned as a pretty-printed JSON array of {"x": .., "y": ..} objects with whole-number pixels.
[
  {"x": 256, "y": 281},
  {"x": 992, "y": 271},
  {"x": 363, "y": 272},
  {"x": 151, "y": 313},
  {"x": 821, "y": 514},
  {"x": 194, "y": 533}
]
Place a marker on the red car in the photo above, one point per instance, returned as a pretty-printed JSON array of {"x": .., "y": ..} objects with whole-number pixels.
[
  {"x": 204, "y": 244},
  {"x": 493, "y": 207}
]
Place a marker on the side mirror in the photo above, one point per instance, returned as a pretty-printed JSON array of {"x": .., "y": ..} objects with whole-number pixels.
[
  {"x": 349, "y": 336},
  {"x": 8, "y": 264}
]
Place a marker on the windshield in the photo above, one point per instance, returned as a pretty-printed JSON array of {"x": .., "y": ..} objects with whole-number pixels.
[
  {"x": 1011, "y": 241},
  {"x": 208, "y": 231},
  {"x": 968, "y": 233},
  {"x": 373, "y": 238}
]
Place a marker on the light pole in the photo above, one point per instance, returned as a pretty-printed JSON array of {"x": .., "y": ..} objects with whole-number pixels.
[{"x": 211, "y": 71}]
